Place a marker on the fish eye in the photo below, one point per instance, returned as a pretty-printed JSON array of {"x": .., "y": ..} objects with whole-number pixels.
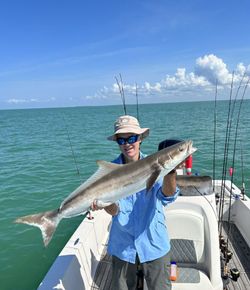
[{"x": 181, "y": 149}]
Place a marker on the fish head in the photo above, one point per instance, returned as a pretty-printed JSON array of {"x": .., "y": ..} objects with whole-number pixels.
[
  {"x": 186, "y": 148},
  {"x": 174, "y": 155}
]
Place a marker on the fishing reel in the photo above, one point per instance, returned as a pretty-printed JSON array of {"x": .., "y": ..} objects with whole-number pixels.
[
  {"x": 217, "y": 198},
  {"x": 227, "y": 255},
  {"x": 235, "y": 274},
  {"x": 222, "y": 240},
  {"x": 243, "y": 191},
  {"x": 223, "y": 245},
  {"x": 227, "y": 275}
]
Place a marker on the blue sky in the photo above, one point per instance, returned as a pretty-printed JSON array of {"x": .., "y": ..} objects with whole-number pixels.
[{"x": 67, "y": 53}]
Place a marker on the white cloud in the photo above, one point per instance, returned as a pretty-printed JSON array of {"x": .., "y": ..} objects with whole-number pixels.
[
  {"x": 152, "y": 88},
  {"x": 88, "y": 97},
  {"x": 98, "y": 95},
  {"x": 183, "y": 79},
  {"x": 16, "y": 101},
  {"x": 115, "y": 88},
  {"x": 242, "y": 69},
  {"x": 126, "y": 87},
  {"x": 199, "y": 83},
  {"x": 213, "y": 68},
  {"x": 21, "y": 101}
]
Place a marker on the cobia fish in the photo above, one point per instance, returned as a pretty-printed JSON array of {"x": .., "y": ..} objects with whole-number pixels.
[{"x": 110, "y": 183}]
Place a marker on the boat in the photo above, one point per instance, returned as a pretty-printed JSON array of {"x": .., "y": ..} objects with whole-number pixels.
[{"x": 211, "y": 253}]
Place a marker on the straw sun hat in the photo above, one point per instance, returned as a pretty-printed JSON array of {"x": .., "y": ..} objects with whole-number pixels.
[{"x": 128, "y": 124}]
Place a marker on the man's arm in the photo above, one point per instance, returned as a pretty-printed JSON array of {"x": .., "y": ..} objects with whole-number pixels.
[
  {"x": 169, "y": 184},
  {"x": 112, "y": 209},
  {"x": 169, "y": 181}
]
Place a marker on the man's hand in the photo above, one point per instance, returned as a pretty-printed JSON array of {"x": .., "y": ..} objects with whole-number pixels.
[
  {"x": 111, "y": 209},
  {"x": 94, "y": 206}
]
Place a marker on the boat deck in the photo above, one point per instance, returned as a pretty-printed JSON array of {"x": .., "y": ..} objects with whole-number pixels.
[
  {"x": 103, "y": 273},
  {"x": 240, "y": 260}
]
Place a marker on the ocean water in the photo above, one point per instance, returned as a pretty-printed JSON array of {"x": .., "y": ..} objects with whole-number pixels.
[{"x": 37, "y": 168}]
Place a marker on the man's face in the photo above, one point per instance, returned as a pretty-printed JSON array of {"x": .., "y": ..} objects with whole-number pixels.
[{"x": 130, "y": 151}]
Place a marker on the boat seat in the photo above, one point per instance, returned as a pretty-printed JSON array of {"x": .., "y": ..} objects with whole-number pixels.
[
  {"x": 183, "y": 251},
  {"x": 189, "y": 276},
  {"x": 187, "y": 238},
  {"x": 191, "y": 279}
]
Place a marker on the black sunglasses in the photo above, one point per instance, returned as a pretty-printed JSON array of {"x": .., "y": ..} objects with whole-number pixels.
[{"x": 130, "y": 140}]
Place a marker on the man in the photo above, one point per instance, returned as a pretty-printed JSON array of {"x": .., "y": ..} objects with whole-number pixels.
[{"x": 138, "y": 233}]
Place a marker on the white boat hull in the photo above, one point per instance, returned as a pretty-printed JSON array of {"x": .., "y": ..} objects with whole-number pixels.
[{"x": 192, "y": 218}]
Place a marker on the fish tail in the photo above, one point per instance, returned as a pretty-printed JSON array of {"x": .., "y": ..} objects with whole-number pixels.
[{"x": 46, "y": 221}]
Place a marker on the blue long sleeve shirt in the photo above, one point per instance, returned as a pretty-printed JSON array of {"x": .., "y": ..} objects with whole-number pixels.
[{"x": 139, "y": 227}]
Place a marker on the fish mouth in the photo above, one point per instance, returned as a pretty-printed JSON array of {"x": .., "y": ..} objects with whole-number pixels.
[{"x": 190, "y": 148}]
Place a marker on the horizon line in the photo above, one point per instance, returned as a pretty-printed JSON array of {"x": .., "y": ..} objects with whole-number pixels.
[{"x": 110, "y": 105}]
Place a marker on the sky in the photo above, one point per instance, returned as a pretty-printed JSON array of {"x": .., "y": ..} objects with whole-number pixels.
[{"x": 75, "y": 53}]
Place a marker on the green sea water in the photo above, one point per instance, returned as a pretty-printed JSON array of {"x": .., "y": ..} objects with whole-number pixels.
[{"x": 37, "y": 168}]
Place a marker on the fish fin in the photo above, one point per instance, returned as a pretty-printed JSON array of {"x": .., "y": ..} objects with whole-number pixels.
[
  {"x": 46, "y": 221},
  {"x": 104, "y": 168},
  {"x": 152, "y": 178},
  {"x": 107, "y": 166}
]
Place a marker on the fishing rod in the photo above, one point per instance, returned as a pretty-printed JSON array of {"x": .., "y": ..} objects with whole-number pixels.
[
  {"x": 243, "y": 183},
  {"x": 223, "y": 178},
  {"x": 233, "y": 108},
  {"x": 123, "y": 94},
  {"x": 137, "y": 103},
  {"x": 242, "y": 172},
  {"x": 88, "y": 213},
  {"x": 72, "y": 150},
  {"x": 204, "y": 196},
  {"x": 215, "y": 125},
  {"x": 121, "y": 90},
  {"x": 228, "y": 142},
  {"x": 233, "y": 162},
  {"x": 224, "y": 244}
]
